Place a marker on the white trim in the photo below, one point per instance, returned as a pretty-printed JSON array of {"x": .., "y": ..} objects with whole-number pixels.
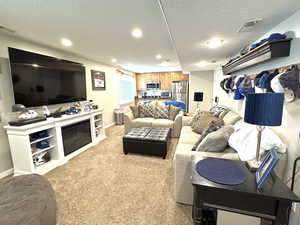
[
  {"x": 6, "y": 173},
  {"x": 109, "y": 125}
]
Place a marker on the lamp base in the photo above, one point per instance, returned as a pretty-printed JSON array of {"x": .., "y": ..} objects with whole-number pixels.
[{"x": 252, "y": 165}]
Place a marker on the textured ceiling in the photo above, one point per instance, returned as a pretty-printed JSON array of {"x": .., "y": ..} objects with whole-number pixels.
[{"x": 101, "y": 29}]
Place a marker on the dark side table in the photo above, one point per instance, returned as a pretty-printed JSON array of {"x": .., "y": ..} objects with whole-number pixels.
[{"x": 273, "y": 202}]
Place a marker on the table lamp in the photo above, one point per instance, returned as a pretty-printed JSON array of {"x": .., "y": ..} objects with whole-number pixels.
[
  {"x": 198, "y": 97},
  {"x": 263, "y": 109}
]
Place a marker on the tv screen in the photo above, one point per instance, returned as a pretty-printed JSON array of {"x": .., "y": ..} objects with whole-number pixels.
[{"x": 43, "y": 80}]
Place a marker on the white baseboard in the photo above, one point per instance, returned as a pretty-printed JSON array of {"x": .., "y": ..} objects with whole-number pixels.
[
  {"x": 6, "y": 173},
  {"x": 109, "y": 125}
]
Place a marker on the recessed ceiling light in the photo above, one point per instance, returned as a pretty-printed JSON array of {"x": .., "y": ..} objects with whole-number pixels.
[
  {"x": 114, "y": 60},
  {"x": 158, "y": 56},
  {"x": 137, "y": 33},
  {"x": 214, "y": 43},
  {"x": 35, "y": 65},
  {"x": 66, "y": 42}
]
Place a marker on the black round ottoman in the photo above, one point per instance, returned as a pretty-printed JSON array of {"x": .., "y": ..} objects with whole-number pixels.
[{"x": 27, "y": 200}]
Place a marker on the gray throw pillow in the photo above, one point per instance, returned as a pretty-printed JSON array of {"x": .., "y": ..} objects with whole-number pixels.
[
  {"x": 216, "y": 141},
  {"x": 204, "y": 121},
  {"x": 135, "y": 110},
  {"x": 212, "y": 127}
]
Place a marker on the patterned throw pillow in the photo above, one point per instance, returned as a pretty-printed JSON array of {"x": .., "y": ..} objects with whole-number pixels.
[
  {"x": 146, "y": 110},
  {"x": 135, "y": 110},
  {"x": 162, "y": 112},
  {"x": 203, "y": 123},
  {"x": 173, "y": 112},
  {"x": 211, "y": 128},
  {"x": 219, "y": 110}
]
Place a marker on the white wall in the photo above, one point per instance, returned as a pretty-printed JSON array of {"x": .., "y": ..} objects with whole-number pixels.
[
  {"x": 201, "y": 81},
  {"x": 107, "y": 99},
  {"x": 289, "y": 130}
]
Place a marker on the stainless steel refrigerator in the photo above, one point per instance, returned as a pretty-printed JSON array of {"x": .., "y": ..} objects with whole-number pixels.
[{"x": 180, "y": 92}]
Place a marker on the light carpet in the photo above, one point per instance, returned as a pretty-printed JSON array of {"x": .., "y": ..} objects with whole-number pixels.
[{"x": 102, "y": 186}]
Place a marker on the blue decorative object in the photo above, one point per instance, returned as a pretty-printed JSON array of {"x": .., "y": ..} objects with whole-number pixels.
[
  {"x": 266, "y": 167},
  {"x": 264, "y": 109},
  {"x": 181, "y": 105},
  {"x": 40, "y": 134},
  {"x": 42, "y": 144},
  {"x": 221, "y": 171}
]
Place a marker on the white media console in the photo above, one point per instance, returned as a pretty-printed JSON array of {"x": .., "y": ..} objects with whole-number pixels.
[{"x": 23, "y": 148}]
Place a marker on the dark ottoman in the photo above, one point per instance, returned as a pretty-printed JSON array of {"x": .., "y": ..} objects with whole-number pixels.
[
  {"x": 147, "y": 140},
  {"x": 27, "y": 200}
]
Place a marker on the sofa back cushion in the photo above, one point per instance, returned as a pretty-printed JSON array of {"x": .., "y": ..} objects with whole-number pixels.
[{"x": 231, "y": 118}]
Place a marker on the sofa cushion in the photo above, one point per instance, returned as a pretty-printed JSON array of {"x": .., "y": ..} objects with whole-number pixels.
[
  {"x": 163, "y": 123},
  {"x": 231, "y": 118},
  {"x": 188, "y": 136},
  {"x": 142, "y": 122},
  {"x": 216, "y": 141},
  {"x": 146, "y": 110}
]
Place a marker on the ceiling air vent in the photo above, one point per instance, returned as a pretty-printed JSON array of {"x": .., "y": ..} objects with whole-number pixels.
[
  {"x": 7, "y": 30},
  {"x": 248, "y": 26}
]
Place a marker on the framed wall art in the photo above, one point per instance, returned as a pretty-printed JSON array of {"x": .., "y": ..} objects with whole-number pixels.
[{"x": 98, "y": 80}]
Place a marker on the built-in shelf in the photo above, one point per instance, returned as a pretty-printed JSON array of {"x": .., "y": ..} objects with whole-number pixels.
[
  {"x": 41, "y": 139},
  {"x": 24, "y": 151},
  {"x": 265, "y": 52},
  {"x": 100, "y": 119},
  {"x": 37, "y": 151}
]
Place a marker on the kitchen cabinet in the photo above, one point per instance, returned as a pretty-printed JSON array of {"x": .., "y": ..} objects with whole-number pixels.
[
  {"x": 165, "y": 79},
  {"x": 140, "y": 82}
]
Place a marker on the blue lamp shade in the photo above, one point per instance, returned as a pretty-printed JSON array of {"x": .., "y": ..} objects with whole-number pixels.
[
  {"x": 264, "y": 109},
  {"x": 198, "y": 96}
]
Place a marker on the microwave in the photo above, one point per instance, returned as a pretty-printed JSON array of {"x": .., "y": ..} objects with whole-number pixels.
[{"x": 153, "y": 85}]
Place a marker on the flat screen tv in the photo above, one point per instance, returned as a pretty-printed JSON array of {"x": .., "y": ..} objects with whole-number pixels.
[{"x": 43, "y": 80}]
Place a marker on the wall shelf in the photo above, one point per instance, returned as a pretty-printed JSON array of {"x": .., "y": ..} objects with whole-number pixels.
[{"x": 265, "y": 52}]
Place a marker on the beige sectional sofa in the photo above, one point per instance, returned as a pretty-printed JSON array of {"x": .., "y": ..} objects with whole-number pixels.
[
  {"x": 131, "y": 122},
  {"x": 183, "y": 157}
]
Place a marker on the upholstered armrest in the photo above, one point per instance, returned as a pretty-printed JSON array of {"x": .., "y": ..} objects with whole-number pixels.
[
  {"x": 177, "y": 125},
  {"x": 128, "y": 117},
  {"x": 187, "y": 120}
]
